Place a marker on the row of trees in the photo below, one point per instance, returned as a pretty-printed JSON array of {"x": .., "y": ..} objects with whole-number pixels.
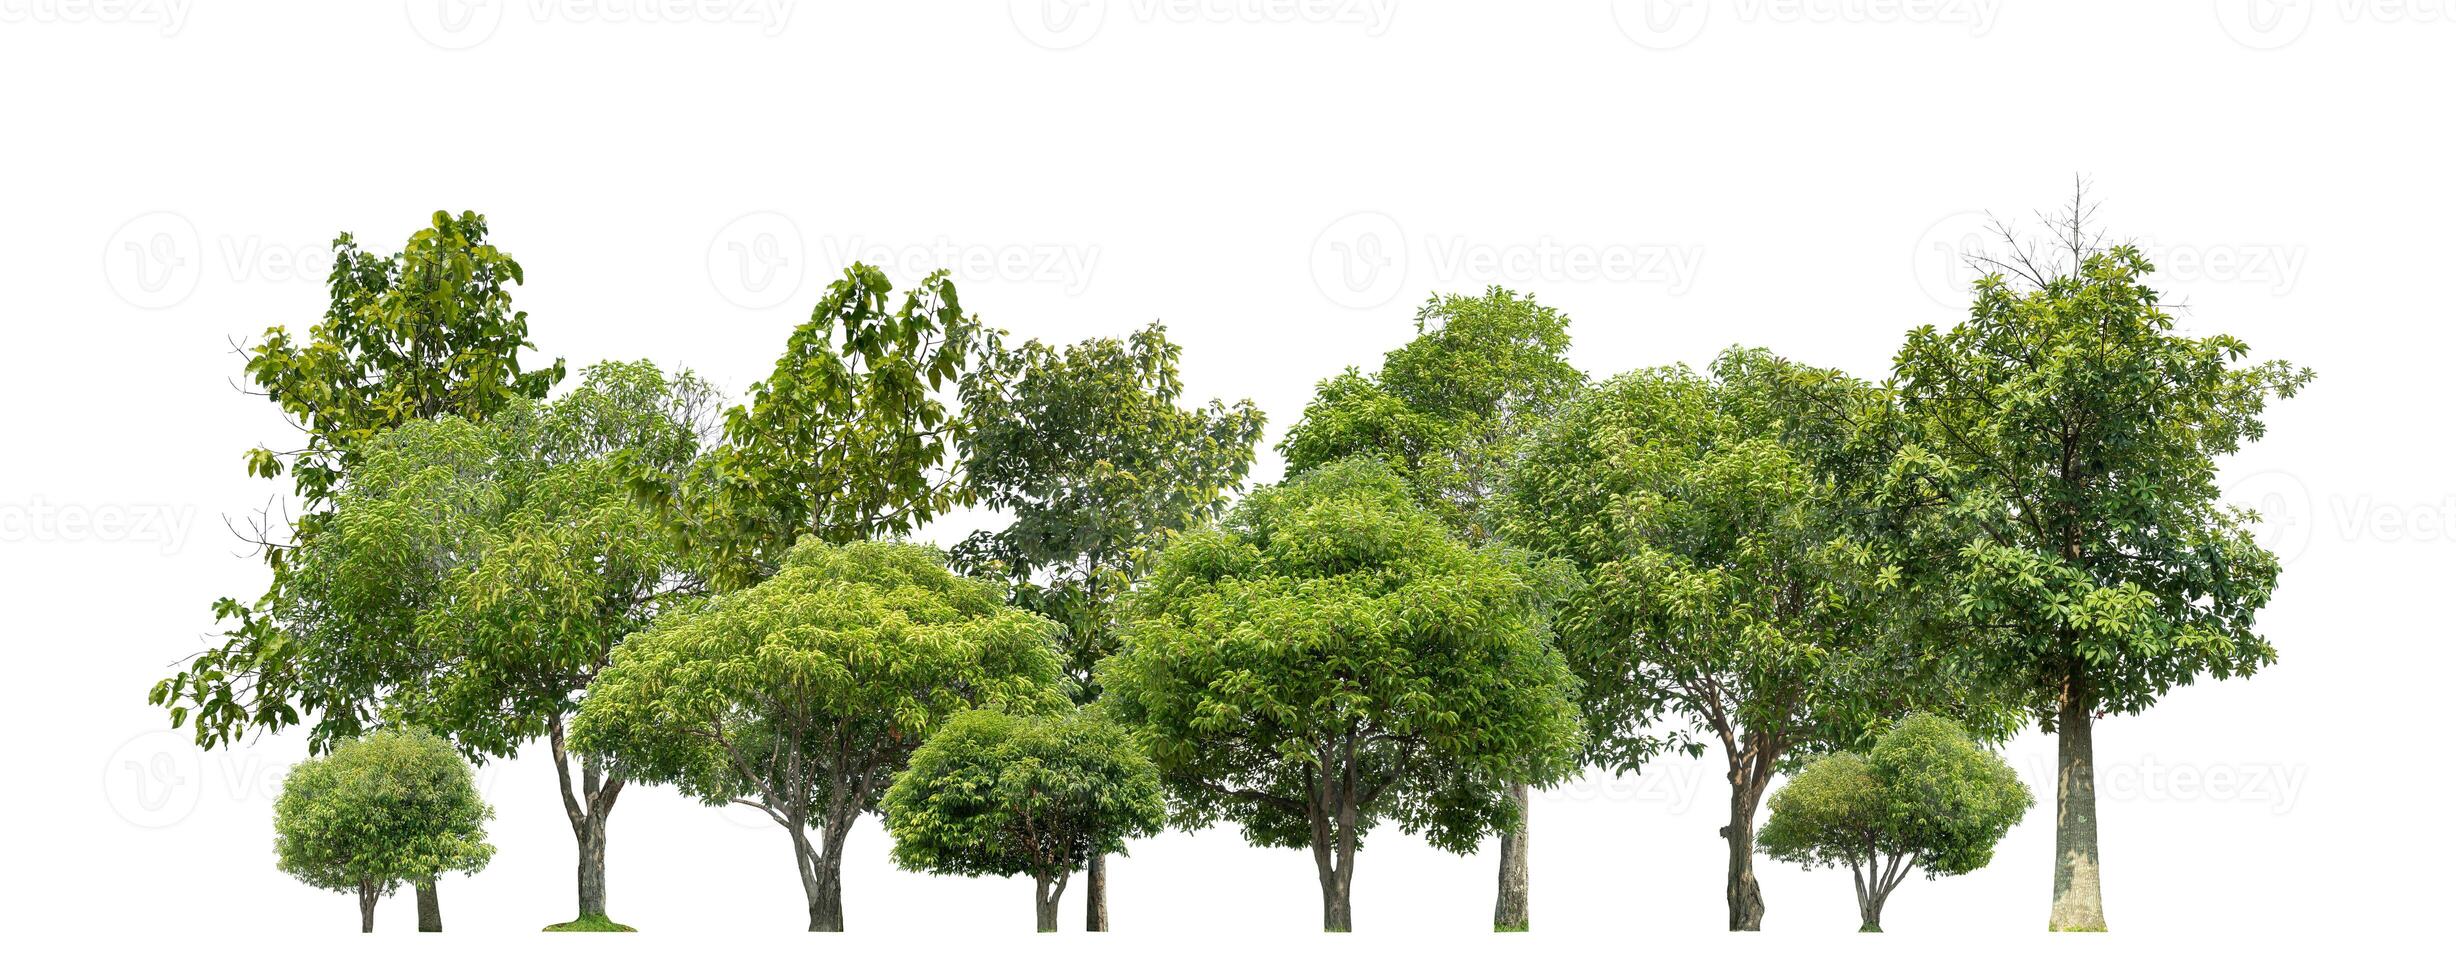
[{"x": 1484, "y": 572}]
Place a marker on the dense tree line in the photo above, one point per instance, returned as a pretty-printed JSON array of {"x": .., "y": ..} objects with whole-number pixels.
[{"x": 1484, "y": 572}]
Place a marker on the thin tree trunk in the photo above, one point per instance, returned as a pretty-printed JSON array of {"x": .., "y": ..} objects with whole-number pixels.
[
  {"x": 430, "y": 907},
  {"x": 2076, "y": 907},
  {"x": 1509, "y": 909},
  {"x": 1096, "y": 894},
  {"x": 1740, "y": 893},
  {"x": 366, "y": 906},
  {"x": 588, "y": 809}
]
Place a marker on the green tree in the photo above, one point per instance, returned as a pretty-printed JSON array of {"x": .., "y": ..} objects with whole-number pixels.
[
  {"x": 1732, "y": 590},
  {"x": 847, "y": 440},
  {"x": 803, "y": 694},
  {"x": 1329, "y": 659},
  {"x": 384, "y": 808},
  {"x": 1088, "y": 450},
  {"x": 1451, "y": 411},
  {"x": 1925, "y": 796},
  {"x": 2063, "y": 459},
  {"x": 423, "y": 332},
  {"x": 997, "y": 794}
]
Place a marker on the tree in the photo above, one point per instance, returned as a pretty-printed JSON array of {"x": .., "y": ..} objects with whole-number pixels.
[
  {"x": 803, "y": 694},
  {"x": 997, "y": 794},
  {"x": 1089, "y": 451},
  {"x": 1926, "y": 796},
  {"x": 423, "y": 332},
  {"x": 384, "y": 808},
  {"x": 2064, "y": 447},
  {"x": 1330, "y": 659},
  {"x": 1450, "y": 411},
  {"x": 1732, "y": 588},
  {"x": 846, "y": 440}
]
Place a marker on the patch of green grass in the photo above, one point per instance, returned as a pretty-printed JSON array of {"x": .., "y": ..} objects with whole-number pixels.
[
  {"x": 593, "y": 923},
  {"x": 1520, "y": 927}
]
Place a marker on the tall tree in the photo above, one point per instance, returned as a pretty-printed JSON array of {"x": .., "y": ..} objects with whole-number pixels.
[
  {"x": 473, "y": 577},
  {"x": 1925, "y": 797},
  {"x": 1732, "y": 591},
  {"x": 384, "y": 808},
  {"x": 802, "y": 695},
  {"x": 1089, "y": 451},
  {"x": 2067, "y": 437},
  {"x": 1329, "y": 659},
  {"x": 848, "y": 439},
  {"x": 993, "y": 793},
  {"x": 1450, "y": 411}
]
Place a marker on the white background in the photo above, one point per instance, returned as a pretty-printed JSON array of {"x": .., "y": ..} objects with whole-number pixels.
[{"x": 1280, "y": 182}]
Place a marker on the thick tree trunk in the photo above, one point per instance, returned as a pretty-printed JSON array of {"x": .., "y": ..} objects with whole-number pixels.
[
  {"x": 2076, "y": 907},
  {"x": 823, "y": 874},
  {"x": 366, "y": 906},
  {"x": 1509, "y": 908},
  {"x": 591, "y": 838},
  {"x": 430, "y": 908},
  {"x": 1740, "y": 894},
  {"x": 1046, "y": 889},
  {"x": 1337, "y": 914},
  {"x": 587, "y": 809},
  {"x": 1096, "y": 894}
]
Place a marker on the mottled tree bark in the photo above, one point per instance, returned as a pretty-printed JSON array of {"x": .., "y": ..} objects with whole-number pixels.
[
  {"x": 430, "y": 907},
  {"x": 2076, "y": 907},
  {"x": 1745, "y": 902},
  {"x": 1046, "y": 889},
  {"x": 587, "y": 810},
  {"x": 1509, "y": 908},
  {"x": 366, "y": 906},
  {"x": 1096, "y": 894}
]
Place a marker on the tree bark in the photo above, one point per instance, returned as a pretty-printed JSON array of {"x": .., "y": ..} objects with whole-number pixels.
[
  {"x": 366, "y": 906},
  {"x": 1046, "y": 889},
  {"x": 2076, "y": 906},
  {"x": 1740, "y": 893},
  {"x": 1337, "y": 914},
  {"x": 1096, "y": 894},
  {"x": 430, "y": 907},
  {"x": 1509, "y": 909},
  {"x": 588, "y": 810}
]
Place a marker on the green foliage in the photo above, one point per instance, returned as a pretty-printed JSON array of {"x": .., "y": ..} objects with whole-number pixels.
[
  {"x": 425, "y": 332},
  {"x": 1925, "y": 795},
  {"x": 997, "y": 794},
  {"x": 1089, "y": 451},
  {"x": 2064, "y": 463},
  {"x": 1329, "y": 658},
  {"x": 383, "y": 809},
  {"x": 802, "y": 694},
  {"x": 1733, "y": 588},
  {"x": 1449, "y": 410},
  {"x": 847, "y": 439}
]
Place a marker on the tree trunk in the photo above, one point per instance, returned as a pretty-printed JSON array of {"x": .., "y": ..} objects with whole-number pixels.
[
  {"x": 1337, "y": 914},
  {"x": 1740, "y": 894},
  {"x": 2077, "y": 907},
  {"x": 824, "y": 885},
  {"x": 1509, "y": 909},
  {"x": 1046, "y": 889},
  {"x": 366, "y": 906},
  {"x": 1096, "y": 894},
  {"x": 430, "y": 907},
  {"x": 591, "y": 838}
]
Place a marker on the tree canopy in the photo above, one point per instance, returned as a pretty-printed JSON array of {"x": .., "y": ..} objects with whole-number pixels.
[
  {"x": 1924, "y": 796},
  {"x": 382, "y": 809},
  {"x": 992, "y": 793},
  {"x": 1329, "y": 659},
  {"x": 802, "y": 695}
]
